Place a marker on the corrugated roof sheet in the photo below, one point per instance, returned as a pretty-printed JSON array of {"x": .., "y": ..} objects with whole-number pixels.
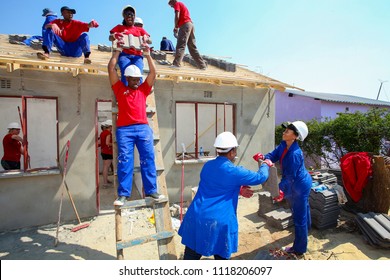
[{"x": 340, "y": 98}]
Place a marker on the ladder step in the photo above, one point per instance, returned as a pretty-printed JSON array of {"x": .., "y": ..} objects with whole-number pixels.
[
  {"x": 144, "y": 239},
  {"x": 146, "y": 202}
]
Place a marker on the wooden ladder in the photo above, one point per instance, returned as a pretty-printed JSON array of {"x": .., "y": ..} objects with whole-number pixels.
[{"x": 164, "y": 231}]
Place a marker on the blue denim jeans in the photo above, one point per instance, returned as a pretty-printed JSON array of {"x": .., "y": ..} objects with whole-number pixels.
[{"x": 141, "y": 136}]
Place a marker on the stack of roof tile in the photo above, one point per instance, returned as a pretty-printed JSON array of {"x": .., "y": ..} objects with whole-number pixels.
[
  {"x": 280, "y": 218},
  {"x": 324, "y": 207},
  {"x": 277, "y": 214},
  {"x": 375, "y": 228}
]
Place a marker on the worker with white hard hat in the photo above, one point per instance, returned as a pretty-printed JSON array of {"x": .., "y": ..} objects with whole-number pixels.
[
  {"x": 296, "y": 181},
  {"x": 210, "y": 226},
  {"x": 133, "y": 128},
  {"x": 13, "y": 149},
  {"x": 128, "y": 56},
  {"x": 138, "y": 22}
]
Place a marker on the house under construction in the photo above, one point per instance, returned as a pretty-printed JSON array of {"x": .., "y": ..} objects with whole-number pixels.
[{"x": 63, "y": 99}]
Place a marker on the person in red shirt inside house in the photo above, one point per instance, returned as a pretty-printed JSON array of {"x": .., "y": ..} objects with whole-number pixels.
[
  {"x": 68, "y": 35},
  {"x": 132, "y": 127},
  {"x": 129, "y": 56},
  {"x": 13, "y": 149},
  {"x": 184, "y": 28},
  {"x": 106, "y": 150}
]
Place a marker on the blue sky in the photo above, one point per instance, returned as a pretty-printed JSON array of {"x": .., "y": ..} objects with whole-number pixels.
[{"x": 333, "y": 46}]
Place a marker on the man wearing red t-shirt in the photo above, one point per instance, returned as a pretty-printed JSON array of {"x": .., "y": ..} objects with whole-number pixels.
[
  {"x": 129, "y": 56},
  {"x": 13, "y": 148},
  {"x": 185, "y": 30},
  {"x": 132, "y": 127},
  {"x": 68, "y": 36}
]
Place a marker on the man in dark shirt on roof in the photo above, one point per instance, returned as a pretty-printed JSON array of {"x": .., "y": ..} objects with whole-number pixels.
[{"x": 68, "y": 36}]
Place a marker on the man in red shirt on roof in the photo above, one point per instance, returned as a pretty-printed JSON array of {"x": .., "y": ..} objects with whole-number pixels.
[
  {"x": 184, "y": 28},
  {"x": 68, "y": 36},
  {"x": 132, "y": 126}
]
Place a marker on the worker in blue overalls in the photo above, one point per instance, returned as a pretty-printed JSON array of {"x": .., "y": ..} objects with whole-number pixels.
[
  {"x": 296, "y": 181},
  {"x": 210, "y": 226}
]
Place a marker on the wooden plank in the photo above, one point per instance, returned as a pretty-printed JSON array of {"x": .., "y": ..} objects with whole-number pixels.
[
  {"x": 118, "y": 232},
  {"x": 144, "y": 239}
]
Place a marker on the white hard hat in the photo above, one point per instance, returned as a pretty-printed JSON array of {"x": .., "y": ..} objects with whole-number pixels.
[
  {"x": 128, "y": 7},
  {"x": 298, "y": 127},
  {"x": 138, "y": 20},
  {"x": 107, "y": 123},
  {"x": 14, "y": 125},
  {"x": 133, "y": 71},
  {"x": 225, "y": 141}
]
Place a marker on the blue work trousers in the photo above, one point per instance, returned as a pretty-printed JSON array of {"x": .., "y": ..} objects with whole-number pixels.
[
  {"x": 125, "y": 60},
  {"x": 300, "y": 207},
  {"x": 190, "y": 254},
  {"x": 72, "y": 49},
  {"x": 140, "y": 135}
]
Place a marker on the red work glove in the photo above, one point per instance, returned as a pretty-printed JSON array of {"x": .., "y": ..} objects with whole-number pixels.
[
  {"x": 246, "y": 191},
  {"x": 56, "y": 29},
  {"x": 268, "y": 162},
  {"x": 145, "y": 39},
  {"x": 258, "y": 156},
  {"x": 280, "y": 197},
  {"x": 94, "y": 23},
  {"x": 117, "y": 44}
]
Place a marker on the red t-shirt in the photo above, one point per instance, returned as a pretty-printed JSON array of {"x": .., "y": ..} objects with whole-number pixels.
[
  {"x": 105, "y": 149},
  {"x": 133, "y": 30},
  {"x": 184, "y": 15},
  {"x": 131, "y": 103},
  {"x": 11, "y": 148},
  {"x": 72, "y": 30}
]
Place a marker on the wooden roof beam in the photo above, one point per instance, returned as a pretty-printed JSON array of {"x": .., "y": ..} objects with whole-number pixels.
[{"x": 11, "y": 67}]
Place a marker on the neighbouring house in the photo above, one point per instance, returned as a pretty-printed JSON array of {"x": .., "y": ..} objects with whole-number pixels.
[
  {"x": 62, "y": 99},
  {"x": 291, "y": 105},
  {"x": 304, "y": 105}
]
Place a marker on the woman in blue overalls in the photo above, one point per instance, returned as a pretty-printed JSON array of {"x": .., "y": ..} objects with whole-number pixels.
[{"x": 296, "y": 181}]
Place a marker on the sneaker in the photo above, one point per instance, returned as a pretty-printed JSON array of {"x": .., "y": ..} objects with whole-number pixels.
[
  {"x": 290, "y": 250},
  {"x": 87, "y": 61},
  {"x": 120, "y": 201},
  {"x": 156, "y": 196},
  {"x": 174, "y": 66}
]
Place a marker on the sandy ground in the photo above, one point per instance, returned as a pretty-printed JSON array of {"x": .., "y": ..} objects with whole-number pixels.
[{"x": 97, "y": 242}]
